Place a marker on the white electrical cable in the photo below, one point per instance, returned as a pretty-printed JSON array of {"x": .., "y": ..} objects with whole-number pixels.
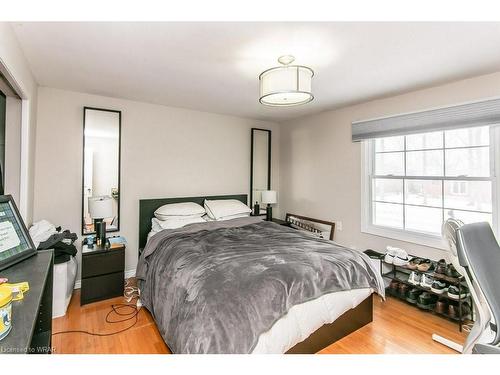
[{"x": 130, "y": 292}]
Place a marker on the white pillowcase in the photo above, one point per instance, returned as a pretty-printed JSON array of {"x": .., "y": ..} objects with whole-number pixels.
[
  {"x": 173, "y": 222},
  {"x": 186, "y": 209},
  {"x": 225, "y": 207}
]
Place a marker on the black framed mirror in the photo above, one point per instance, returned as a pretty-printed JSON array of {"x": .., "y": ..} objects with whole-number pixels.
[
  {"x": 101, "y": 169},
  {"x": 260, "y": 165}
]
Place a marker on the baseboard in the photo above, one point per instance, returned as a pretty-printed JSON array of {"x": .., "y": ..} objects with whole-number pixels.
[{"x": 128, "y": 274}]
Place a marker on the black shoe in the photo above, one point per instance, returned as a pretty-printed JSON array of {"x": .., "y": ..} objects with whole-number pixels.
[
  {"x": 452, "y": 272},
  {"x": 439, "y": 287},
  {"x": 454, "y": 293},
  {"x": 427, "y": 301},
  {"x": 453, "y": 310},
  {"x": 403, "y": 289},
  {"x": 394, "y": 287},
  {"x": 412, "y": 295},
  {"x": 441, "y": 267}
]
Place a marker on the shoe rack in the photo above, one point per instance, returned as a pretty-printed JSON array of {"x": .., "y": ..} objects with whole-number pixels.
[{"x": 401, "y": 274}]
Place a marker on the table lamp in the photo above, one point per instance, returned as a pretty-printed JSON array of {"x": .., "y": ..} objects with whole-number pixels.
[
  {"x": 100, "y": 208},
  {"x": 269, "y": 197}
]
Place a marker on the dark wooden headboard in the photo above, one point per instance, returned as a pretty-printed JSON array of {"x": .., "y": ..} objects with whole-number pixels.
[{"x": 147, "y": 207}]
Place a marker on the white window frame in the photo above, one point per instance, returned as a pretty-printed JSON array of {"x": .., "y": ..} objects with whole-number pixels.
[{"x": 367, "y": 226}]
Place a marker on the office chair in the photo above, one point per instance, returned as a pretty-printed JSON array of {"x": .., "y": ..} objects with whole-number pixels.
[{"x": 475, "y": 254}]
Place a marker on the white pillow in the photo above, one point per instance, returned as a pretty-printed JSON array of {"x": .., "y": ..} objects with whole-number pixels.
[
  {"x": 237, "y": 216},
  {"x": 174, "y": 222},
  {"x": 187, "y": 209},
  {"x": 225, "y": 207}
]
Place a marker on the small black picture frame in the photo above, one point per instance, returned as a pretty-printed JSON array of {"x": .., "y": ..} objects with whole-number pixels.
[{"x": 13, "y": 229}]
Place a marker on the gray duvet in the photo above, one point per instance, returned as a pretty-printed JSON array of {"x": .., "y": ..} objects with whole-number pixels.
[{"x": 216, "y": 287}]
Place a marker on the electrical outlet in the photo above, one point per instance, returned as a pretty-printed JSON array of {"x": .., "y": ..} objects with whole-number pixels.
[{"x": 338, "y": 225}]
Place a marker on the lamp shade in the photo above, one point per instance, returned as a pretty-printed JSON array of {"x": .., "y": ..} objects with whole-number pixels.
[
  {"x": 269, "y": 197},
  {"x": 101, "y": 207},
  {"x": 286, "y": 85}
]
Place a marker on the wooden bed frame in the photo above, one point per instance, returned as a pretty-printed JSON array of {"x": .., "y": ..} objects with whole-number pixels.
[{"x": 326, "y": 335}]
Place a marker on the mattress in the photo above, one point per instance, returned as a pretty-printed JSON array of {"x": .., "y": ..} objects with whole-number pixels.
[{"x": 304, "y": 319}]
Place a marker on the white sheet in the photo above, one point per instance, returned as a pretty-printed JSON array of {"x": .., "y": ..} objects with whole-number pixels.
[{"x": 304, "y": 319}]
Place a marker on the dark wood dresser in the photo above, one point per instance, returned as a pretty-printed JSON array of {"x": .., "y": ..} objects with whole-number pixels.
[
  {"x": 103, "y": 273},
  {"x": 32, "y": 316}
]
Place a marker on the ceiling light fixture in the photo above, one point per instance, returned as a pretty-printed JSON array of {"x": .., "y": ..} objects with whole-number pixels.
[{"x": 286, "y": 85}]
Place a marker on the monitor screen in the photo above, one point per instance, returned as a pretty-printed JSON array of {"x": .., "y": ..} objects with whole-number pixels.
[{"x": 14, "y": 238}]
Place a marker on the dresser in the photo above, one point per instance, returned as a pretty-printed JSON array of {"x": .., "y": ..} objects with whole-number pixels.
[{"x": 32, "y": 316}]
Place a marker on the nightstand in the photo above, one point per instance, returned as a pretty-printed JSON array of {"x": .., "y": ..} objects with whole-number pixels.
[{"x": 103, "y": 273}]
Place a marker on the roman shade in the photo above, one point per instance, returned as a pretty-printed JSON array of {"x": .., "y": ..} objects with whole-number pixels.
[{"x": 486, "y": 112}]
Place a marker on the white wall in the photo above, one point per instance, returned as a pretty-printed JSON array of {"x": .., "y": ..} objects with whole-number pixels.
[
  {"x": 320, "y": 169},
  {"x": 15, "y": 67},
  {"x": 166, "y": 152}
]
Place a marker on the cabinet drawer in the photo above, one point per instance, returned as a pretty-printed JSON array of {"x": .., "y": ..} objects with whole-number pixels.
[
  {"x": 103, "y": 263},
  {"x": 102, "y": 287}
]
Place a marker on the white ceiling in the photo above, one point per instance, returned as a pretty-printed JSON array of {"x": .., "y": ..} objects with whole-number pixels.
[{"x": 214, "y": 67}]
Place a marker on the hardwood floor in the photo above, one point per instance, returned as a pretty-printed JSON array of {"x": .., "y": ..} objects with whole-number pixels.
[
  {"x": 396, "y": 328},
  {"x": 142, "y": 338}
]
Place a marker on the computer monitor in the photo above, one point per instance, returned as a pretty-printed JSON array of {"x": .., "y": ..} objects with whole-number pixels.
[{"x": 15, "y": 241}]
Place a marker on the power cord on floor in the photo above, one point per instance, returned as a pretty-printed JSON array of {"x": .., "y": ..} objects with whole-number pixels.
[{"x": 130, "y": 293}]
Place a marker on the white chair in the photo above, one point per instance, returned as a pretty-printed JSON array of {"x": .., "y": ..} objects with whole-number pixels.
[{"x": 475, "y": 254}]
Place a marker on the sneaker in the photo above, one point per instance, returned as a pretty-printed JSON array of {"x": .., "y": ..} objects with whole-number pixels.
[
  {"x": 401, "y": 258},
  {"x": 426, "y": 281},
  {"x": 453, "y": 292},
  {"x": 414, "y": 278},
  {"x": 414, "y": 262},
  {"x": 426, "y": 266},
  {"x": 390, "y": 254},
  {"x": 412, "y": 295},
  {"x": 452, "y": 272},
  {"x": 441, "y": 266},
  {"x": 439, "y": 287},
  {"x": 426, "y": 301}
]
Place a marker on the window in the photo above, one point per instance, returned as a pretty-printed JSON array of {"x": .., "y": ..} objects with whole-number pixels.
[{"x": 415, "y": 182}]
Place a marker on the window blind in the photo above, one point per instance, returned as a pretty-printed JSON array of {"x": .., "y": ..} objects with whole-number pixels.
[{"x": 482, "y": 113}]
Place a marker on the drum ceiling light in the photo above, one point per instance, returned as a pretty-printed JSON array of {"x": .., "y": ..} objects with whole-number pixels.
[{"x": 286, "y": 85}]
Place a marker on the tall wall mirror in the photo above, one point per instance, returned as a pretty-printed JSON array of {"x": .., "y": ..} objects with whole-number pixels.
[
  {"x": 260, "y": 165},
  {"x": 101, "y": 169}
]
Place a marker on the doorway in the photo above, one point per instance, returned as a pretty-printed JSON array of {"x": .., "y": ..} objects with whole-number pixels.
[{"x": 3, "y": 111}]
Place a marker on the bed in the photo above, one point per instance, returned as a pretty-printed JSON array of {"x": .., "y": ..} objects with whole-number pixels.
[{"x": 249, "y": 286}]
